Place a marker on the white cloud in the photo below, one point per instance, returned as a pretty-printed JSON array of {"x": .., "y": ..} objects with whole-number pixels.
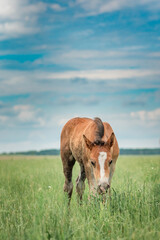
[
  {"x": 83, "y": 55},
  {"x": 3, "y": 119},
  {"x": 57, "y": 7},
  {"x": 104, "y": 74},
  {"x": 96, "y": 7},
  {"x": 20, "y": 82},
  {"x": 14, "y": 29},
  {"x": 143, "y": 115},
  {"x": 27, "y": 113},
  {"x": 19, "y": 17},
  {"x": 124, "y": 57},
  {"x": 20, "y": 10}
]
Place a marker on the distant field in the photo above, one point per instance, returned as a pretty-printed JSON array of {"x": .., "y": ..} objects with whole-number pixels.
[{"x": 33, "y": 206}]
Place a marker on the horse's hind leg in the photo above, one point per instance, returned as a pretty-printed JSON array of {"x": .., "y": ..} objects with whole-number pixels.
[
  {"x": 80, "y": 185},
  {"x": 68, "y": 163}
]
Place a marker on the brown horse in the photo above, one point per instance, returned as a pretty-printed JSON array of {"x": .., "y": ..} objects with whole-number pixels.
[{"x": 93, "y": 145}]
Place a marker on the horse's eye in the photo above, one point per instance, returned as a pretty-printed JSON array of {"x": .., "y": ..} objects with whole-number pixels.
[
  {"x": 93, "y": 163},
  {"x": 110, "y": 162}
]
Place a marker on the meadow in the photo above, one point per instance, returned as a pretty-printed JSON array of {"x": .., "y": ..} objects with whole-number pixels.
[{"x": 33, "y": 205}]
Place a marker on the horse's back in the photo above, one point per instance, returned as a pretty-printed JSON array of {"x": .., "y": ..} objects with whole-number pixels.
[
  {"x": 72, "y": 129},
  {"x": 70, "y": 126}
]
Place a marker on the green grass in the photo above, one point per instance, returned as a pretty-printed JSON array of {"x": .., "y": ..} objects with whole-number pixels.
[{"x": 33, "y": 205}]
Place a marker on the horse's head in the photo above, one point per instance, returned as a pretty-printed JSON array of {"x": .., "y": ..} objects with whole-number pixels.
[{"x": 100, "y": 163}]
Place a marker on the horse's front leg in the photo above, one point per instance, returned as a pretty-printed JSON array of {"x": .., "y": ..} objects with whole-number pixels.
[
  {"x": 68, "y": 164},
  {"x": 80, "y": 182}
]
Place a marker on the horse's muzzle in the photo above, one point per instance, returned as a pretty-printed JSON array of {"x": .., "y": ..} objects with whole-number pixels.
[{"x": 103, "y": 188}]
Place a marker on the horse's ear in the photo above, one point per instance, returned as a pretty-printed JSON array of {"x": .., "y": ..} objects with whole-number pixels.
[
  {"x": 89, "y": 144},
  {"x": 110, "y": 141}
]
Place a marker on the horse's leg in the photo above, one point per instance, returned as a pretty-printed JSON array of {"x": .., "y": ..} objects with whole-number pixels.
[
  {"x": 80, "y": 185},
  {"x": 112, "y": 169},
  {"x": 68, "y": 163}
]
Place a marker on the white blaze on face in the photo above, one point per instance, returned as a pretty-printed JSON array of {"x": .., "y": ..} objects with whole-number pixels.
[{"x": 102, "y": 158}]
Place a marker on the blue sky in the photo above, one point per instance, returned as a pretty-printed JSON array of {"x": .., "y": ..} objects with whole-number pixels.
[{"x": 61, "y": 59}]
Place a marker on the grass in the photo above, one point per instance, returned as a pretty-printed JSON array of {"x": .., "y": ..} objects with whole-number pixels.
[{"x": 33, "y": 205}]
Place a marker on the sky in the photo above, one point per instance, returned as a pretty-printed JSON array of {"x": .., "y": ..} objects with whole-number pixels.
[{"x": 86, "y": 58}]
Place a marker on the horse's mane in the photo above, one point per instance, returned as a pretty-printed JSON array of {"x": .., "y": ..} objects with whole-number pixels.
[{"x": 100, "y": 131}]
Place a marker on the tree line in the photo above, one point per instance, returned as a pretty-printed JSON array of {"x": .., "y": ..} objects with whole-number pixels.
[{"x": 123, "y": 151}]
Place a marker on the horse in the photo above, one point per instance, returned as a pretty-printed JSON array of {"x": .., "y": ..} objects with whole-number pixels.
[{"x": 92, "y": 143}]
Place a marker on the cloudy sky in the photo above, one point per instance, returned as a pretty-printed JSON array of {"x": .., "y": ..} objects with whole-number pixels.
[{"x": 61, "y": 59}]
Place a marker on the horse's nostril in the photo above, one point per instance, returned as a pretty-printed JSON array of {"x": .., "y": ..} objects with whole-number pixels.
[{"x": 103, "y": 187}]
